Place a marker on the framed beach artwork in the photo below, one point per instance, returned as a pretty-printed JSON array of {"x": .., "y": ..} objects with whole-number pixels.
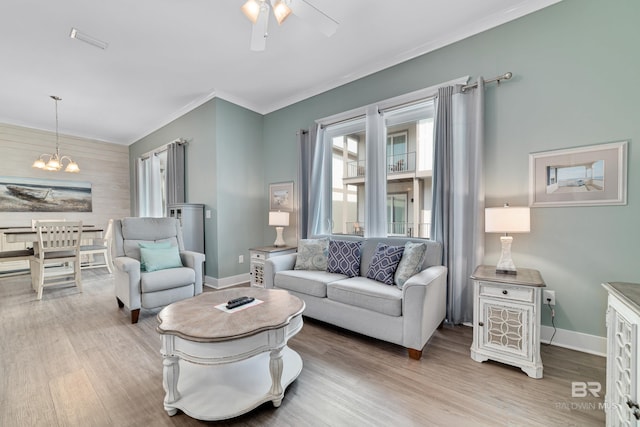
[
  {"x": 281, "y": 196},
  {"x": 585, "y": 176},
  {"x": 44, "y": 195}
]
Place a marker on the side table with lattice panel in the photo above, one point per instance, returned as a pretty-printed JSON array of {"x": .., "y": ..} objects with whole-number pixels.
[
  {"x": 506, "y": 318},
  {"x": 622, "y": 401}
]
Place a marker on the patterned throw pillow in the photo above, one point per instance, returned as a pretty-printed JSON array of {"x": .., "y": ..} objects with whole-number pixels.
[
  {"x": 344, "y": 257},
  {"x": 312, "y": 254},
  {"x": 411, "y": 262},
  {"x": 384, "y": 263}
]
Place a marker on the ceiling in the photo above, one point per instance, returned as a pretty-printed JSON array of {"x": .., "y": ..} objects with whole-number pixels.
[{"x": 166, "y": 57}]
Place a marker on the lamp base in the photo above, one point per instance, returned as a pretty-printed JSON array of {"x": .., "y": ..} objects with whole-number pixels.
[
  {"x": 279, "y": 239},
  {"x": 505, "y": 264}
]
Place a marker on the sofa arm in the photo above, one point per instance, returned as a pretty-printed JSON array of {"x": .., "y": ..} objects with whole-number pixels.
[
  {"x": 424, "y": 305},
  {"x": 194, "y": 260},
  {"x": 127, "y": 281},
  {"x": 275, "y": 264}
]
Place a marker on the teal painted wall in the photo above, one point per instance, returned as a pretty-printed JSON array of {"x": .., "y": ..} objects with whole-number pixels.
[
  {"x": 575, "y": 67},
  {"x": 224, "y": 171}
]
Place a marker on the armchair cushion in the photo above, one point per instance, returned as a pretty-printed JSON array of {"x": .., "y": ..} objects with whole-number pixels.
[
  {"x": 154, "y": 281},
  {"x": 160, "y": 258}
]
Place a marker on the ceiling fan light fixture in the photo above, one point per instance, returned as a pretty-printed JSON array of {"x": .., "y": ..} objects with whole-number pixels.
[
  {"x": 281, "y": 11},
  {"x": 251, "y": 10}
]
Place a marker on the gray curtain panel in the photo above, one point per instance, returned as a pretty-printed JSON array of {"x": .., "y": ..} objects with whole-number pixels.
[
  {"x": 458, "y": 186},
  {"x": 174, "y": 175},
  {"x": 305, "y": 159}
]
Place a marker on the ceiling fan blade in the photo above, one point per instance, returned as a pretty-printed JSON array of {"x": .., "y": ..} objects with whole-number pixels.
[
  {"x": 314, "y": 16},
  {"x": 259, "y": 31}
]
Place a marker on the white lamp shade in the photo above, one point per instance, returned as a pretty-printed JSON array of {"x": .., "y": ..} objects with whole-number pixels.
[
  {"x": 507, "y": 220},
  {"x": 279, "y": 219}
]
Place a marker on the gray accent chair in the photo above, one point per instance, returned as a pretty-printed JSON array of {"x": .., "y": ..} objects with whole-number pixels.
[{"x": 137, "y": 289}]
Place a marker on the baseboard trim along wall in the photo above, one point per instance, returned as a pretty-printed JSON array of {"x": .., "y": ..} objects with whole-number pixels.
[
  {"x": 579, "y": 341},
  {"x": 226, "y": 282}
]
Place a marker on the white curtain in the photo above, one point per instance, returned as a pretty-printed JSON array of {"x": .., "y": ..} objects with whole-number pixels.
[
  {"x": 458, "y": 187},
  {"x": 319, "y": 213},
  {"x": 149, "y": 187},
  {"x": 375, "y": 215}
]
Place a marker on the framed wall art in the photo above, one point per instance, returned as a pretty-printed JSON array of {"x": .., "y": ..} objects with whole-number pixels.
[
  {"x": 584, "y": 176},
  {"x": 44, "y": 195},
  {"x": 281, "y": 196}
]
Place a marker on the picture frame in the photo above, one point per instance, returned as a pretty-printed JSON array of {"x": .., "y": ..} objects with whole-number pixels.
[
  {"x": 281, "y": 196},
  {"x": 593, "y": 175},
  {"x": 21, "y": 194}
]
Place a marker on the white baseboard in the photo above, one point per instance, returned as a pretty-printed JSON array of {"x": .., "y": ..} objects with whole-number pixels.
[
  {"x": 226, "y": 282},
  {"x": 572, "y": 340},
  {"x": 579, "y": 341}
]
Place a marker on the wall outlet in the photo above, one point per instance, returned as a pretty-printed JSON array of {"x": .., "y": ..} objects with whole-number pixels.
[
  {"x": 549, "y": 297},
  {"x": 240, "y": 259}
]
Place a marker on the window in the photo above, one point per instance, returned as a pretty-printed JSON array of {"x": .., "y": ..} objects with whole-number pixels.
[
  {"x": 347, "y": 183},
  {"x": 380, "y": 170}
]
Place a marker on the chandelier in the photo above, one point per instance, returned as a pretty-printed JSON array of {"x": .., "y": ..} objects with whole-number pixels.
[{"x": 54, "y": 161}]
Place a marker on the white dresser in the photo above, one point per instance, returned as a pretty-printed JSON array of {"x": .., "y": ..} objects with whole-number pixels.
[
  {"x": 623, "y": 317},
  {"x": 506, "y": 318}
]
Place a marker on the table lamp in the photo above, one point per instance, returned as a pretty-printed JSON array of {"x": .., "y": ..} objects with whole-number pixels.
[
  {"x": 506, "y": 220},
  {"x": 279, "y": 220}
]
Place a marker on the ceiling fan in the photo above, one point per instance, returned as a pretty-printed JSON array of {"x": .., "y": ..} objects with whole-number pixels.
[{"x": 258, "y": 12}]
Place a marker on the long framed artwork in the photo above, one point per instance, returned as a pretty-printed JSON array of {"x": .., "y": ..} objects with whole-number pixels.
[
  {"x": 281, "y": 196},
  {"x": 584, "y": 176},
  {"x": 44, "y": 195}
]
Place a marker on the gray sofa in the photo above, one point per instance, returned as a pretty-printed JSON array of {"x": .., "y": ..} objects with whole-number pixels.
[
  {"x": 152, "y": 289},
  {"x": 407, "y": 316}
]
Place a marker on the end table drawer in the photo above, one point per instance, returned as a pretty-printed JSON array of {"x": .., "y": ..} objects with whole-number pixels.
[
  {"x": 509, "y": 292},
  {"x": 258, "y": 255}
]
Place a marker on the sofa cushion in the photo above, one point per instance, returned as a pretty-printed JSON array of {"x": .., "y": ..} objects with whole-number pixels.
[
  {"x": 344, "y": 257},
  {"x": 310, "y": 282},
  {"x": 368, "y": 294},
  {"x": 411, "y": 262},
  {"x": 384, "y": 263},
  {"x": 312, "y": 254},
  {"x": 153, "y": 281}
]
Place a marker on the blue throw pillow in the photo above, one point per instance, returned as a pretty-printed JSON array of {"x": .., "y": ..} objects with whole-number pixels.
[
  {"x": 160, "y": 258},
  {"x": 384, "y": 263},
  {"x": 344, "y": 257},
  {"x": 151, "y": 245}
]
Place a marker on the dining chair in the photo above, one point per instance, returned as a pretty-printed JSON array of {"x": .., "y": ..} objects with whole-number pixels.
[
  {"x": 99, "y": 247},
  {"x": 58, "y": 243}
]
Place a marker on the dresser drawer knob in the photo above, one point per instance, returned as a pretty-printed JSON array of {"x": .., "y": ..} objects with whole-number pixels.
[
  {"x": 480, "y": 323},
  {"x": 504, "y": 292}
]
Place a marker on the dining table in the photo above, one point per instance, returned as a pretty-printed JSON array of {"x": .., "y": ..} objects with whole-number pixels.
[{"x": 27, "y": 234}]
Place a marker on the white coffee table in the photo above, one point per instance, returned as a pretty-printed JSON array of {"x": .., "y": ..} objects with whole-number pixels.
[{"x": 218, "y": 365}]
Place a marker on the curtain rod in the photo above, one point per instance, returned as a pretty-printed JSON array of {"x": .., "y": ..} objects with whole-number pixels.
[
  {"x": 505, "y": 76},
  {"x": 348, "y": 119},
  {"x": 163, "y": 148}
]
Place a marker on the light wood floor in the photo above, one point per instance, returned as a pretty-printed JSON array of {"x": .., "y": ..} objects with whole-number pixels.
[{"x": 75, "y": 360}]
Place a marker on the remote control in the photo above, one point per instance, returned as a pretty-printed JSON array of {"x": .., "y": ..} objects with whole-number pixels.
[
  {"x": 237, "y": 299},
  {"x": 239, "y": 303}
]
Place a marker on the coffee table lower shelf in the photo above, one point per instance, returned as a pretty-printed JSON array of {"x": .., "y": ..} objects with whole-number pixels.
[{"x": 217, "y": 392}]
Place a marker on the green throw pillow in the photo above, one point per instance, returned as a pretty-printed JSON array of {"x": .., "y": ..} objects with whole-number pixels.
[
  {"x": 312, "y": 254},
  {"x": 411, "y": 262},
  {"x": 160, "y": 258},
  {"x": 151, "y": 245}
]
